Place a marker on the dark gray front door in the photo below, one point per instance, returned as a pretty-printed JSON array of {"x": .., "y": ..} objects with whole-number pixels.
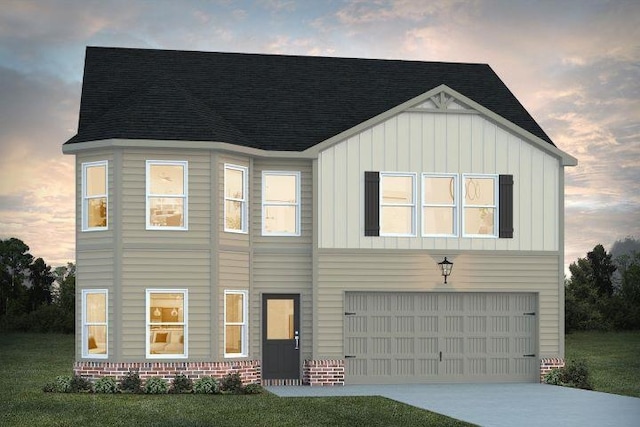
[{"x": 281, "y": 336}]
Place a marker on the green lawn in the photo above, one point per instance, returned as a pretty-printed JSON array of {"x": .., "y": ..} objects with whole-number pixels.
[
  {"x": 28, "y": 361},
  {"x": 613, "y": 359}
]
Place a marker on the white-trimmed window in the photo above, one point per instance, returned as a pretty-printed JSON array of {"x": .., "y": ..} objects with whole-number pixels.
[
  {"x": 235, "y": 198},
  {"x": 235, "y": 324},
  {"x": 166, "y": 323},
  {"x": 397, "y": 204},
  {"x": 479, "y": 205},
  {"x": 167, "y": 203},
  {"x": 94, "y": 196},
  {"x": 439, "y": 205},
  {"x": 95, "y": 323},
  {"x": 280, "y": 203}
]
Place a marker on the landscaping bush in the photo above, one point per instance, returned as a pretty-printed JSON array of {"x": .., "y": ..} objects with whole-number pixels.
[
  {"x": 575, "y": 374},
  {"x": 156, "y": 385},
  {"x": 232, "y": 383},
  {"x": 181, "y": 384},
  {"x": 106, "y": 385},
  {"x": 253, "y": 389},
  {"x": 131, "y": 383},
  {"x": 79, "y": 383},
  {"x": 206, "y": 385},
  {"x": 63, "y": 384}
]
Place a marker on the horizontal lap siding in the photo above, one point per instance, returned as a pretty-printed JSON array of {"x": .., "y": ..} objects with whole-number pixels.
[
  {"x": 165, "y": 269},
  {"x": 94, "y": 271},
  {"x": 341, "y": 270},
  {"x": 438, "y": 143},
  {"x": 134, "y": 198}
]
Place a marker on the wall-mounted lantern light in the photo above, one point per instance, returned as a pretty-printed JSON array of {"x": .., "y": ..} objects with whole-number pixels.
[{"x": 445, "y": 268}]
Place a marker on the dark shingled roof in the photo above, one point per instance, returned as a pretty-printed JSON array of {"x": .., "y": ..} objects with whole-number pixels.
[{"x": 272, "y": 102}]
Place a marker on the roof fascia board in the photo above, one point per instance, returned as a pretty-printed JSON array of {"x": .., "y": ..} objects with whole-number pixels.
[
  {"x": 567, "y": 160},
  {"x": 180, "y": 144}
]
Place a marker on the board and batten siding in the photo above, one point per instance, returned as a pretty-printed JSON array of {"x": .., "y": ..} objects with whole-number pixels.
[
  {"x": 438, "y": 143},
  {"x": 341, "y": 271}
]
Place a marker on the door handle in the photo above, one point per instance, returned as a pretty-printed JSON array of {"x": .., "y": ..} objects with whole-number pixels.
[{"x": 297, "y": 338}]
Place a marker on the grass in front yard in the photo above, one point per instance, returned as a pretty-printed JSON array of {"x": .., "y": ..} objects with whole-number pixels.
[
  {"x": 613, "y": 359},
  {"x": 28, "y": 361}
]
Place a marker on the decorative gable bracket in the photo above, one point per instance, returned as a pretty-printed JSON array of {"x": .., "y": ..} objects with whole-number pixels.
[{"x": 442, "y": 100}]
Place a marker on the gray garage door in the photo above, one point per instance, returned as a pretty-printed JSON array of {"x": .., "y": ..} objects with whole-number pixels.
[{"x": 440, "y": 337}]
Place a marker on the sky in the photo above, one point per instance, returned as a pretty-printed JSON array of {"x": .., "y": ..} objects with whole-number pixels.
[{"x": 573, "y": 64}]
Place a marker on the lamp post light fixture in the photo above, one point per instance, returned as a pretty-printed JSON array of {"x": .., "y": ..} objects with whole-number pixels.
[{"x": 445, "y": 268}]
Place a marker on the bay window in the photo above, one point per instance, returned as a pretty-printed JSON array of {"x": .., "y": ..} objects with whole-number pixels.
[
  {"x": 94, "y": 323},
  {"x": 166, "y": 325},
  {"x": 166, "y": 201},
  {"x": 94, "y": 196}
]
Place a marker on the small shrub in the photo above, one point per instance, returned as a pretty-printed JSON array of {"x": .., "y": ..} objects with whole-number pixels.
[
  {"x": 131, "y": 382},
  {"x": 232, "y": 383},
  {"x": 106, "y": 385},
  {"x": 253, "y": 389},
  {"x": 575, "y": 374},
  {"x": 181, "y": 384},
  {"x": 156, "y": 385},
  {"x": 206, "y": 385},
  {"x": 63, "y": 384},
  {"x": 79, "y": 384}
]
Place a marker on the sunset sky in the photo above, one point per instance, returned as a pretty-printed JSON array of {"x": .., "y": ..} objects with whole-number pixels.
[{"x": 574, "y": 64}]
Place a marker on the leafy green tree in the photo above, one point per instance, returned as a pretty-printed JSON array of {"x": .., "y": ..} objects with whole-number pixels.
[
  {"x": 602, "y": 269},
  {"x": 15, "y": 260},
  {"x": 40, "y": 280}
]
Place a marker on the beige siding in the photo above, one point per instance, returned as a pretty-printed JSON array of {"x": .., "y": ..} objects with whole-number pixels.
[
  {"x": 134, "y": 231},
  {"x": 438, "y": 143},
  {"x": 382, "y": 270},
  {"x": 165, "y": 269},
  {"x": 95, "y": 271}
]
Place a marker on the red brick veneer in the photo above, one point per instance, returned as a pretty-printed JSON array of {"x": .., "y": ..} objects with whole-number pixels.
[
  {"x": 323, "y": 372},
  {"x": 548, "y": 364},
  {"x": 249, "y": 370}
]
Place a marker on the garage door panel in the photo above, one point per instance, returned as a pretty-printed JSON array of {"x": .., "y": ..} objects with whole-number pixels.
[{"x": 440, "y": 337}]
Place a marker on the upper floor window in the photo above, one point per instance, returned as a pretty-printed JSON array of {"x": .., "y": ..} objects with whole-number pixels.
[
  {"x": 281, "y": 203},
  {"x": 94, "y": 196},
  {"x": 235, "y": 198},
  {"x": 479, "y": 209},
  {"x": 439, "y": 201},
  {"x": 397, "y": 204},
  {"x": 167, "y": 195},
  {"x": 235, "y": 323},
  {"x": 94, "y": 323},
  {"x": 166, "y": 323}
]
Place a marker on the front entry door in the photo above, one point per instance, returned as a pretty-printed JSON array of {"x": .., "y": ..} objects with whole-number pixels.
[{"x": 281, "y": 336}]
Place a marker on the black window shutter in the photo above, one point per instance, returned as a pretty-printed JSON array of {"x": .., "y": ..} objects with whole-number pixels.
[
  {"x": 505, "y": 206},
  {"x": 371, "y": 203}
]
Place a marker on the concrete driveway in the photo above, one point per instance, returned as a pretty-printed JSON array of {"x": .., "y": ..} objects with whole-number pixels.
[{"x": 497, "y": 405}]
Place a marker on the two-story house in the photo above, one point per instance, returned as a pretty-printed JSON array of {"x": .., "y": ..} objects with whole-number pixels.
[{"x": 285, "y": 216}]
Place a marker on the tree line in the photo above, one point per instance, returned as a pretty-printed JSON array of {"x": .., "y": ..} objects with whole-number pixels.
[
  {"x": 33, "y": 297},
  {"x": 603, "y": 292}
]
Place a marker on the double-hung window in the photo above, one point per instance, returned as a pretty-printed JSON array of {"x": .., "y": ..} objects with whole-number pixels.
[
  {"x": 280, "y": 203},
  {"x": 94, "y": 323},
  {"x": 479, "y": 209},
  {"x": 397, "y": 204},
  {"x": 439, "y": 205},
  {"x": 94, "y": 196},
  {"x": 166, "y": 314},
  {"x": 235, "y": 323},
  {"x": 167, "y": 202},
  {"x": 235, "y": 198}
]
